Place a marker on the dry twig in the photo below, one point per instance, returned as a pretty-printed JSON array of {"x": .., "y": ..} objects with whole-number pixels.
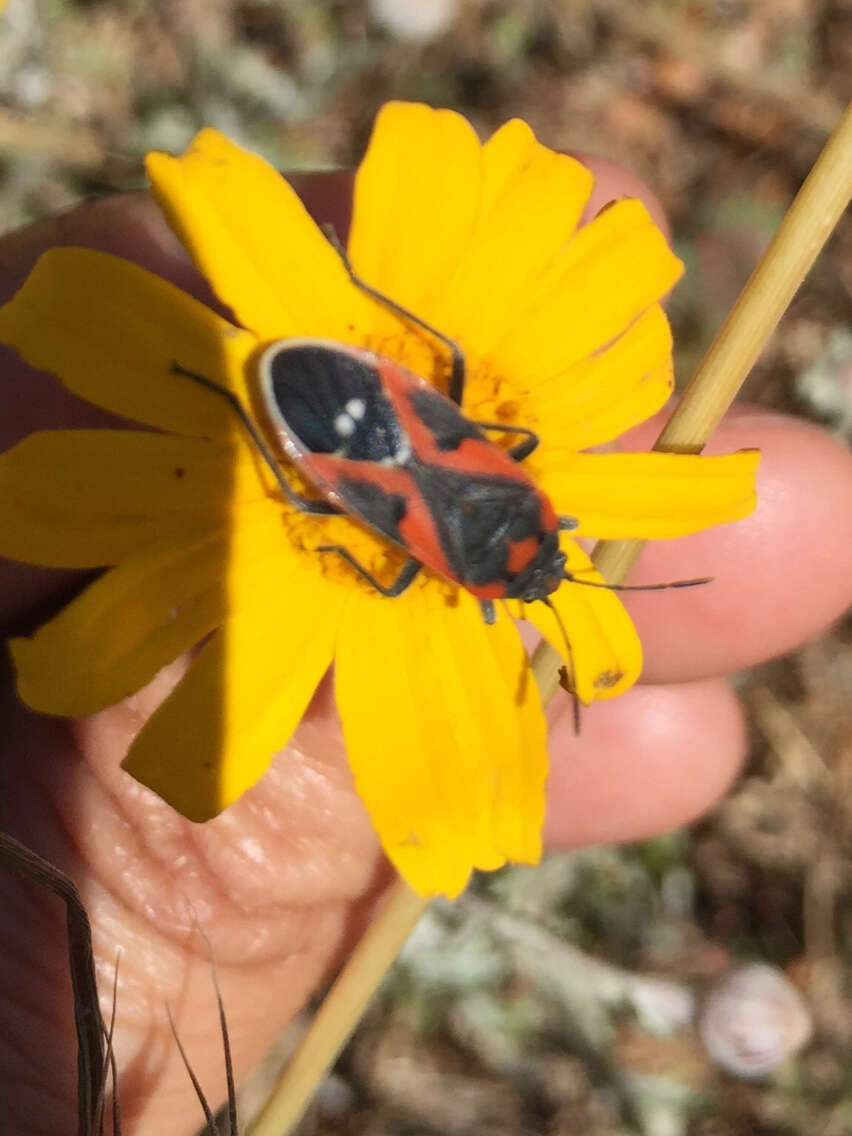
[{"x": 92, "y": 1062}]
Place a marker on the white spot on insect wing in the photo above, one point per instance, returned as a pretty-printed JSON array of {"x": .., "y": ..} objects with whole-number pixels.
[
  {"x": 400, "y": 456},
  {"x": 344, "y": 425},
  {"x": 356, "y": 408}
]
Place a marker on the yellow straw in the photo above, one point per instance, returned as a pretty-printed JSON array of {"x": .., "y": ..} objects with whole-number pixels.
[
  {"x": 805, "y": 229},
  {"x": 341, "y": 1010}
]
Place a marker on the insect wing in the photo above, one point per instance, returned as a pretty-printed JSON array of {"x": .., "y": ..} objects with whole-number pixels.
[
  {"x": 336, "y": 419},
  {"x": 325, "y": 398}
]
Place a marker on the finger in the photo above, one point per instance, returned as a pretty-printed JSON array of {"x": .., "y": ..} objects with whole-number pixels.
[
  {"x": 327, "y": 196},
  {"x": 780, "y": 576},
  {"x": 611, "y": 183},
  {"x": 652, "y": 759},
  {"x": 280, "y": 885},
  {"x": 283, "y": 882},
  {"x": 128, "y": 225}
]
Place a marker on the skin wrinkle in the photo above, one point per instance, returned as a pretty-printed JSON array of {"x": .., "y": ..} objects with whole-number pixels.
[
  {"x": 148, "y": 1010},
  {"x": 300, "y": 930},
  {"x": 89, "y": 855},
  {"x": 139, "y": 1011},
  {"x": 136, "y": 1001},
  {"x": 196, "y": 1017},
  {"x": 80, "y": 869},
  {"x": 209, "y": 879},
  {"x": 173, "y": 907},
  {"x": 169, "y": 965},
  {"x": 327, "y": 808}
]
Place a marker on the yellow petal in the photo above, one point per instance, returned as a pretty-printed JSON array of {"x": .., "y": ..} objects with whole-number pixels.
[
  {"x": 604, "y": 654},
  {"x": 610, "y": 272},
  {"x": 655, "y": 496},
  {"x": 521, "y": 802},
  {"x": 600, "y": 397},
  {"x": 445, "y": 735},
  {"x": 215, "y": 735},
  {"x": 417, "y": 194},
  {"x": 112, "y": 333},
  {"x": 250, "y": 235},
  {"x": 89, "y": 498},
  {"x": 112, "y": 639},
  {"x": 532, "y": 199}
]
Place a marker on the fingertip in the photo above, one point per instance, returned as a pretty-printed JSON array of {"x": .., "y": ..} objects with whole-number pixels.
[
  {"x": 128, "y": 225},
  {"x": 327, "y": 196},
  {"x": 780, "y": 576},
  {"x": 653, "y": 759},
  {"x": 612, "y": 182}
]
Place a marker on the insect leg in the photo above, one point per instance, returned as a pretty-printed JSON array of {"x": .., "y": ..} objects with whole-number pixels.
[
  {"x": 457, "y": 372},
  {"x": 306, "y": 504},
  {"x": 566, "y": 681},
  {"x": 522, "y": 449},
  {"x": 488, "y": 612},
  {"x": 406, "y": 576},
  {"x": 568, "y": 673}
]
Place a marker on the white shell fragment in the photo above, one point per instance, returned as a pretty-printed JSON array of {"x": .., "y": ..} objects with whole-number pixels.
[
  {"x": 753, "y": 1020},
  {"x": 414, "y": 20}
]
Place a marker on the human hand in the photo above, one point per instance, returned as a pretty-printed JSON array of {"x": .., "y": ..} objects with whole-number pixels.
[{"x": 283, "y": 881}]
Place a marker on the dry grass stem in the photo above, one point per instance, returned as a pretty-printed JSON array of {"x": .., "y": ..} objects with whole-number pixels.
[
  {"x": 92, "y": 1062},
  {"x": 809, "y": 222},
  {"x": 341, "y": 1010}
]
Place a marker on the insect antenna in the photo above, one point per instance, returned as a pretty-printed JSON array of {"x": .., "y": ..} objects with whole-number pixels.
[
  {"x": 697, "y": 582},
  {"x": 457, "y": 369},
  {"x": 571, "y": 671},
  {"x": 307, "y": 505},
  {"x": 212, "y": 1127}
]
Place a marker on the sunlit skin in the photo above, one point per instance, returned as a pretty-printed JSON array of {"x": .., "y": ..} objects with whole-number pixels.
[{"x": 284, "y": 880}]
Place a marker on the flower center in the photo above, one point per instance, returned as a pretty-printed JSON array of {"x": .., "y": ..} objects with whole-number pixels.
[{"x": 373, "y": 551}]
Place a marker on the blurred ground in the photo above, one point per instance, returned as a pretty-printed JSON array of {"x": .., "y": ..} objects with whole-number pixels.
[{"x": 495, "y": 1022}]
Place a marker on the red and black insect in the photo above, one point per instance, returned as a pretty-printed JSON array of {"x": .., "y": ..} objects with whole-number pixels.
[{"x": 388, "y": 449}]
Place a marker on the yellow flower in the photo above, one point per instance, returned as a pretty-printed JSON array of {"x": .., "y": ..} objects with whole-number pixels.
[{"x": 563, "y": 335}]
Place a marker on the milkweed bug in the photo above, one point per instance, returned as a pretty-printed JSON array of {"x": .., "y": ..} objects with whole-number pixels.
[{"x": 384, "y": 446}]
